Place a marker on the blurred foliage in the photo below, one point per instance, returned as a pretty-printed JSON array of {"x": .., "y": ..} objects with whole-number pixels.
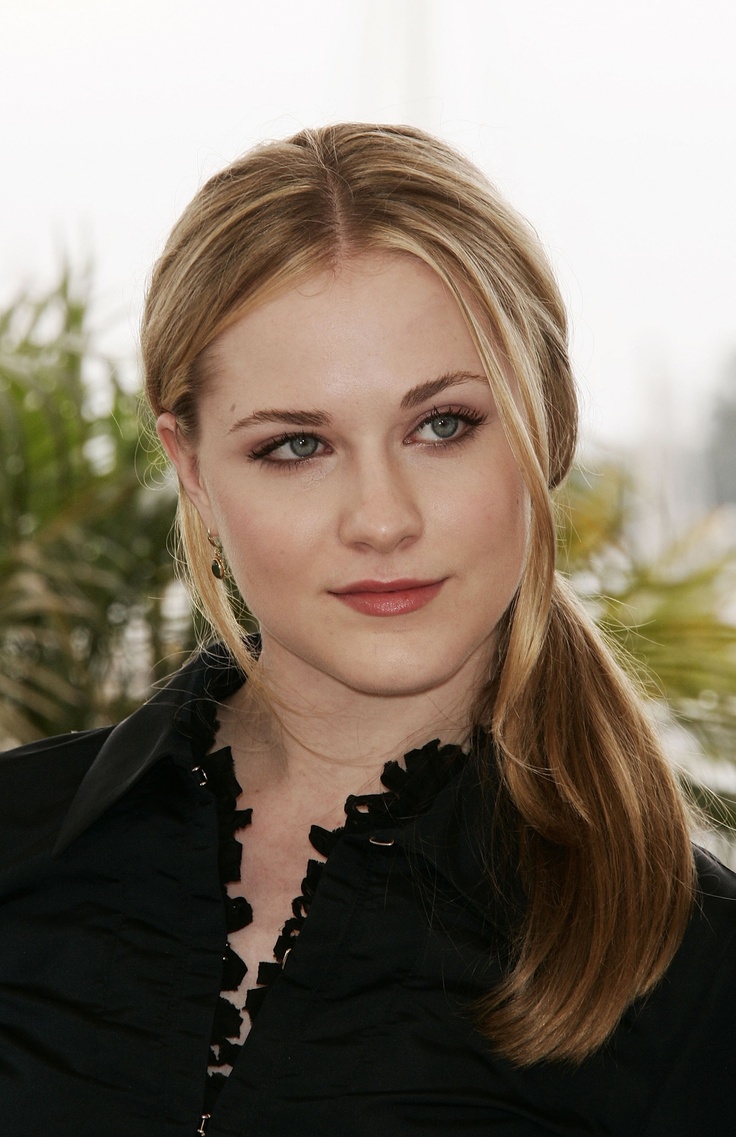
[
  {"x": 669, "y": 617},
  {"x": 87, "y": 600}
]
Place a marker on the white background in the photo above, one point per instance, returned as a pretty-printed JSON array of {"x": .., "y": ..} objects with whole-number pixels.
[{"x": 612, "y": 126}]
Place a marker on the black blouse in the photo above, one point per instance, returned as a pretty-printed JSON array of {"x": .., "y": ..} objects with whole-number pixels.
[
  {"x": 409, "y": 790},
  {"x": 113, "y": 933}
]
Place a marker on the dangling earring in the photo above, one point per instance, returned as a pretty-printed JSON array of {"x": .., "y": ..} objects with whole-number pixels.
[{"x": 217, "y": 566}]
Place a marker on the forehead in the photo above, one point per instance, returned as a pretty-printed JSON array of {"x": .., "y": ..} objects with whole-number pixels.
[{"x": 379, "y": 320}]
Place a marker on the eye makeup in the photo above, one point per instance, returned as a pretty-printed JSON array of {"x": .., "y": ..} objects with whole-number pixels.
[{"x": 301, "y": 447}]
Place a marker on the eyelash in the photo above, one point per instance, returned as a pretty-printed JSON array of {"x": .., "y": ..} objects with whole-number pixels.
[{"x": 471, "y": 419}]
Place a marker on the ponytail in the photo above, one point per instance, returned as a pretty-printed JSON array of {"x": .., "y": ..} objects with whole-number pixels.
[{"x": 603, "y": 839}]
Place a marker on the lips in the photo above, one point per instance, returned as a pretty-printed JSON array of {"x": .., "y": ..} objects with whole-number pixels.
[{"x": 388, "y": 598}]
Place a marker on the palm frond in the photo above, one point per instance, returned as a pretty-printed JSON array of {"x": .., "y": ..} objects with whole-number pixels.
[
  {"x": 83, "y": 538},
  {"x": 668, "y": 617}
]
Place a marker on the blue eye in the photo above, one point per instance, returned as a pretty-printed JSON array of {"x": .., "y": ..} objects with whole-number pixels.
[
  {"x": 451, "y": 425},
  {"x": 445, "y": 426},
  {"x": 303, "y": 445},
  {"x": 288, "y": 449}
]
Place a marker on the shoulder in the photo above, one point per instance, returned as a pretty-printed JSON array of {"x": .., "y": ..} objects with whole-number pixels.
[
  {"x": 76, "y": 741},
  {"x": 56, "y": 761},
  {"x": 53, "y": 790},
  {"x": 715, "y": 907},
  {"x": 714, "y": 877},
  {"x": 37, "y": 784},
  {"x": 703, "y": 971}
]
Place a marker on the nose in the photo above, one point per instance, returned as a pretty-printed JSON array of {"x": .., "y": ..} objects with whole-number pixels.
[{"x": 381, "y": 508}]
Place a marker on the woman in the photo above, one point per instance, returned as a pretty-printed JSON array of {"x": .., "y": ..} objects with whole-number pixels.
[{"x": 356, "y": 356}]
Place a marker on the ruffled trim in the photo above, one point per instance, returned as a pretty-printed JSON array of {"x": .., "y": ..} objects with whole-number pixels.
[
  {"x": 220, "y": 777},
  {"x": 268, "y": 973},
  {"x": 410, "y": 790},
  {"x": 198, "y": 721}
]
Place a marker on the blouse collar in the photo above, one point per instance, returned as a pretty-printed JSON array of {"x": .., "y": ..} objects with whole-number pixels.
[
  {"x": 159, "y": 729},
  {"x": 446, "y": 792}
]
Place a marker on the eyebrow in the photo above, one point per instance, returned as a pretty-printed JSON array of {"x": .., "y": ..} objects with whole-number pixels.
[
  {"x": 428, "y": 390},
  {"x": 413, "y": 398}
]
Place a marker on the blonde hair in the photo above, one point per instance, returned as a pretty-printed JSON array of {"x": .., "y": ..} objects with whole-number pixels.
[{"x": 600, "y": 829}]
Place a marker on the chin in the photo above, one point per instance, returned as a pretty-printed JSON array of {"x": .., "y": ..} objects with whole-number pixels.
[
  {"x": 400, "y": 676},
  {"x": 399, "y": 666},
  {"x": 393, "y": 686}
]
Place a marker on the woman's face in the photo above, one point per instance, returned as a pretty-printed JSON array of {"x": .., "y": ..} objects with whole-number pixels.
[{"x": 351, "y": 459}]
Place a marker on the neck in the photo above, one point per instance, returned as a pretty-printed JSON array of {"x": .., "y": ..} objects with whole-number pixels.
[{"x": 323, "y": 738}]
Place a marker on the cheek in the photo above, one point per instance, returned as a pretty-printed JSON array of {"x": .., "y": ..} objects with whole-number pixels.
[
  {"x": 267, "y": 544},
  {"x": 489, "y": 519}
]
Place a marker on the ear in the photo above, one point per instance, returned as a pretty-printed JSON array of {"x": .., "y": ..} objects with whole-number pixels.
[{"x": 184, "y": 459}]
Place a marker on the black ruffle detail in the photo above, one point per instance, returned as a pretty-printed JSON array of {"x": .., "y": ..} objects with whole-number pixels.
[
  {"x": 227, "y": 1021},
  {"x": 268, "y": 973},
  {"x": 410, "y": 788},
  {"x": 287, "y": 937},
  {"x": 254, "y": 1000},
  {"x": 219, "y": 770},
  {"x": 324, "y": 840},
  {"x": 224, "y": 786},
  {"x": 409, "y": 791},
  {"x": 238, "y": 912},
  {"x": 234, "y": 970},
  {"x": 228, "y": 1052}
]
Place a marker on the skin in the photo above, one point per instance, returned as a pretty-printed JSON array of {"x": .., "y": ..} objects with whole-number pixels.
[{"x": 429, "y": 492}]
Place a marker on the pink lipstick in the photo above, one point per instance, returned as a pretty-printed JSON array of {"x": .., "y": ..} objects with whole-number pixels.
[{"x": 389, "y": 597}]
